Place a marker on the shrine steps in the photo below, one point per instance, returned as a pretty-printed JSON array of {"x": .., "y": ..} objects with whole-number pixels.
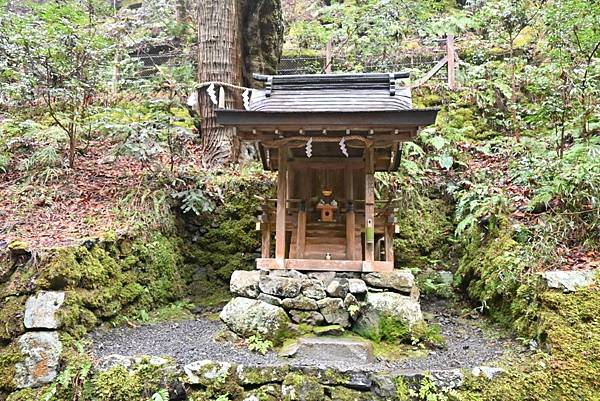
[{"x": 323, "y": 238}]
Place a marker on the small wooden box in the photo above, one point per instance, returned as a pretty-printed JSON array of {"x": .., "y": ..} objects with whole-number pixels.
[{"x": 327, "y": 212}]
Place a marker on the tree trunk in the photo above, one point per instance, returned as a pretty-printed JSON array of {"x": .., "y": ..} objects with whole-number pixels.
[
  {"x": 219, "y": 59},
  {"x": 513, "y": 89},
  {"x": 180, "y": 11}
]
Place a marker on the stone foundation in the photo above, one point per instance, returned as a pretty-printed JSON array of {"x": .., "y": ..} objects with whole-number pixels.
[
  {"x": 271, "y": 303},
  {"x": 206, "y": 379}
]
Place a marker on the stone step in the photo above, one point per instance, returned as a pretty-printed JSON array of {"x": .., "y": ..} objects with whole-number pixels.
[{"x": 327, "y": 348}]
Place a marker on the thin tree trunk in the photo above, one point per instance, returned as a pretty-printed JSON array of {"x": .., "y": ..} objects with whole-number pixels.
[
  {"x": 180, "y": 11},
  {"x": 513, "y": 90},
  {"x": 219, "y": 59}
]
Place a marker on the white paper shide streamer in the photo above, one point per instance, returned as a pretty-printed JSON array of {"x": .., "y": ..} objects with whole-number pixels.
[
  {"x": 343, "y": 147},
  {"x": 246, "y": 98},
  {"x": 212, "y": 94},
  {"x": 309, "y": 148}
]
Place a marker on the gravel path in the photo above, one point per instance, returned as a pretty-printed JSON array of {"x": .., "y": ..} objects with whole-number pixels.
[{"x": 192, "y": 340}]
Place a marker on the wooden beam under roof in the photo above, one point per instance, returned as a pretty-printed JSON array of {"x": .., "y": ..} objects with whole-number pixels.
[{"x": 262, "y": 120}]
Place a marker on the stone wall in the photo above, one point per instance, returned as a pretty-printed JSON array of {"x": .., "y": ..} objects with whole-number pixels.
[
  {"x": 208, "y": 379},
  {"x": 272, "y": 303},
  {"x": 51, "y": 298}
]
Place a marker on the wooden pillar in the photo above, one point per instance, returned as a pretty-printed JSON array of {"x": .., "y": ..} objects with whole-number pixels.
[
  {"x": 350, "y": 216},
  {"x": 265, "y": 229},
  {"x": 451, "y": 62},
  {"x": 301, "y": 234},
  {"x": 389, "y": 237},
  {"x": 281, "y": 207},
  {"x": 369, "y": 203},
  {"x": 350, "y": 233}
]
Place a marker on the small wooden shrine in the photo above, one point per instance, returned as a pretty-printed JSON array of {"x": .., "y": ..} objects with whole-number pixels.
[{"x": 326, "y": 136}]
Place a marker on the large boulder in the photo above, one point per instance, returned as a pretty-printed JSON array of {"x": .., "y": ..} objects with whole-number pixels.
[
  {"x": 312, "y": 318},
  {"x": 357, "y": 286},
  {"x": 298, "y": 387},
  {"x": 398, "y": 280},
  {"x": 40, "y": 310},
  {"x": 337, "y": 288},
  {"x": 568, "y": 281},
  {"x": 314, "y": 289},
  {"x": 334, "y": 312},
  {"x": 245, "y": 316},
  {"x": 41, "y": 350},
  {"x": 279, "y": 286},
  {"x": 270, "y": 299},
  {"x": 245, "y": 283},
  {"x": 324, "y": 277},
  {"x": 206, "y": 372},
  {"x": 399, "y": 307},
  {"x": 300, "y": 302}
]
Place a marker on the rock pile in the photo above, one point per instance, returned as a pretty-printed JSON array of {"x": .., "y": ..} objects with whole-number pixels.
[
  {"x": 269, "y": 302},
  {"x": 40, "y": 345}
]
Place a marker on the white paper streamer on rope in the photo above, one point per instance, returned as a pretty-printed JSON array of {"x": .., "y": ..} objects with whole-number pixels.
[
  {"x": 343, "y": 146},
  {"x": 221, "y": 98},
  {"x": 212, "y": 94},
  {"x": 309, "y": 148},
  {"x": 246, "y": 98}
]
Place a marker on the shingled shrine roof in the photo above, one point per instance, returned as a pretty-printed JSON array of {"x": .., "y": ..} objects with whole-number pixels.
[
  {"x": 329, "y": 110},
  {"x": 339, "y": 92},
  {"x": 374, "y": 101}
]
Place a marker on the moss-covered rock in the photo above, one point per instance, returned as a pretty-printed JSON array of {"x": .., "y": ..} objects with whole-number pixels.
[
  {"x": 225, "y": 240},
  {"x": 424, "y": 227},
  {"x": 339, "y": 393},
  {"x": 117, "y": 384},
  {"x": 27, "y": 394},
  {"x": 298, "y": 387},
  {"x": 492, "y": 271},
  {"x": 568, "y": 325},
  {"x": 10, "y": 355},
  {"x": 12, "y": 310}
]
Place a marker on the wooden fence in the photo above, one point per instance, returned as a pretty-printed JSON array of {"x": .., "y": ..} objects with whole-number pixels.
[{"x": 426, "y": 64}]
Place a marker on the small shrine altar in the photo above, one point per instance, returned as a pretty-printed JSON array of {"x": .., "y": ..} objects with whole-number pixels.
[{"x": 326, "y": 136}]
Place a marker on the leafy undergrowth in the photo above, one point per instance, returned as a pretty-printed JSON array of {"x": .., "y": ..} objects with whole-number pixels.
[{"x": 112, "y": 186}]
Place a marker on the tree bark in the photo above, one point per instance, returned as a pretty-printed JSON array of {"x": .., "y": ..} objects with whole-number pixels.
[
  {"x": 180, "y": 11},
  {"x": 219, "y": 59}
]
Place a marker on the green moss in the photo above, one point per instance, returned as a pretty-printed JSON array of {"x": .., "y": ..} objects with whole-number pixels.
[
  {"x": 117, "y": 384},
  {"x": 492, "y": 270},
  {"x": 267, "y": 392},
  {"x": 424, "y": 227},
  {"x": 339, "y": 393},
  {"x": 570, "y": 327},
  {"x": 172, "y": 312},
  {"x": 27, "y": 394},
  {"x": 298, "y": 387},
  {"x": 130, "y": 293},
  {"x": 61, "y": 271},
  {"x": 9, "y": 356},
  {"x": 104, "y": 284},
  {"x": 12, "y": 310},
  {"x": 388, "y": 330},
  {"x": 75, "y": 318},
  {"x": 227, "y": 239}
]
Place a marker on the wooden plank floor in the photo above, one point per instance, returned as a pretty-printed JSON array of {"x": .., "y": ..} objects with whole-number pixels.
[{"x": 322, "y": 238}]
